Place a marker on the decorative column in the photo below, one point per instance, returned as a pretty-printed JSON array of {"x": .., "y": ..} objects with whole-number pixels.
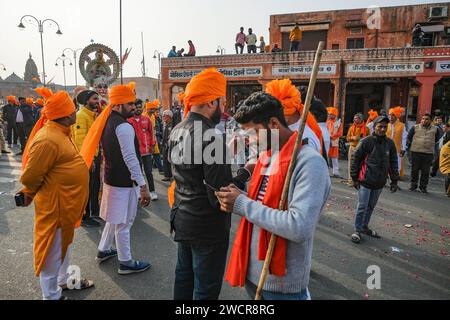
[{"x": 426, "y": 94}]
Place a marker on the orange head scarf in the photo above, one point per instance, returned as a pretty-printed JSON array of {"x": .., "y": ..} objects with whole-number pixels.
[
  {"x": 205, "y": 87},
  {"x": 30, "y": 101},
  {"x": 12, "y": 99},
  {"x": 57, "y": 106},
  {"x": 40, "y": 102},
  {"x": 291, "y": 100},
  {"x": 372, "y": 115},
  {"x": 333, "y": 111},
  {"x": 121, "y": 94},
  {"x": 397, "y": 112},
  {"x": 181, "y": 96}
]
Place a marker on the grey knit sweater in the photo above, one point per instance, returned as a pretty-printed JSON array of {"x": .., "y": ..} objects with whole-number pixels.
[{"x": 308, "y": 193}]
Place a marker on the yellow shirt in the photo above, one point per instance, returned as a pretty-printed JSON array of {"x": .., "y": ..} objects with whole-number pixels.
[
  {"x": 58, "y": 179},
  {"x": 295, "y": 35},
  {"x": 445, "y": 159},
  {"x": 354, "y": 137}
]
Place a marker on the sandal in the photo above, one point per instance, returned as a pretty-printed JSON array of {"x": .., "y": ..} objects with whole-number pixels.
[
  {"x": 356, "y": 237},
  {"x": 371, "y": 233},
  {"x": 84, "y": 284}
]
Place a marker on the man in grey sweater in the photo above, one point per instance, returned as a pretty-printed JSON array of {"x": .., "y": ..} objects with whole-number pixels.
[{"x": 308, "y": 192}]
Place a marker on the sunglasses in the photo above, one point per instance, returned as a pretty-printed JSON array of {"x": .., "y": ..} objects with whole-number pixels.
[{"x": 102, "y": 86}]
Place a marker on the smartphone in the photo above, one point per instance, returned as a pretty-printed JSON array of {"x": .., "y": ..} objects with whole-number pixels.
[
  {"x": 20, "y": 199},
  {"x": 210, "y": 186}
]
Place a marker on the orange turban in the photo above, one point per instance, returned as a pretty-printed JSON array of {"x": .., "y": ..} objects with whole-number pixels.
[
  {"x": 333, "y": 111},
  {"x": 372, "y": 115},
  {"x": 181, "y": 96},
  {"x": 121, "y": 94},
  {"x": 152, "y": 105},
  {"x": 30, "y": 101},
  {"x": 40, "y": 102},
  {"x": 397, "y": 112},
  {"x": 11, "y": 99},
  {"x": 205, "y": 87},
  {"x": 291, "y": 100},
  {"x": 57, "y": 106}
]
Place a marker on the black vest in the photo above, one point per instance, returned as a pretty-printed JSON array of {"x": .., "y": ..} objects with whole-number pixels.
[{"x": 116, "y": 171}]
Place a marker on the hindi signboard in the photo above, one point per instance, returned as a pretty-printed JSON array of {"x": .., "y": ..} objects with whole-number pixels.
[
  {"x": 443, "y": 66},
  {"x": 244, "y": 72},
  {"x": 401, "y": 67},
  {"x": 304, "y": 70}
]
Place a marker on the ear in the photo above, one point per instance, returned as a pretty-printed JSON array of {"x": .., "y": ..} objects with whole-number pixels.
[{"x": 274, "y": 123}]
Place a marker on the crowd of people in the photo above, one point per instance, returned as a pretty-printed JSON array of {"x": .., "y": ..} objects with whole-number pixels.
[{"x": 84, "y": 163}]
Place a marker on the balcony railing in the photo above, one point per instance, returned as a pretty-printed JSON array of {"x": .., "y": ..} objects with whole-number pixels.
[{"x": 396, "y": 54}]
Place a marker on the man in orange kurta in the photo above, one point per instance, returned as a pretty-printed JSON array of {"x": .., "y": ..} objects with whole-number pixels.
[
  {"x": 335, "y": 128},
  {"x": 397, "y": 132},
  {"x": 56, "y": 178},
  {"x": 356, "y": 133}
]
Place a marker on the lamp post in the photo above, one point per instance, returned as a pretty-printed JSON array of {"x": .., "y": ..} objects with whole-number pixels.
[
  {"x": 220, "y": 50},
  {"x": 40, "y": 24},
  {"x": 63, "y": 60},
  {"x": 74, "y": 52},
  {"x": 158, "y": 55}
]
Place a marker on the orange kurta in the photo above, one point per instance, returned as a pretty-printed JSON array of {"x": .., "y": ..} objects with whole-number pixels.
[
  {"x": 335, "y": 135},
  {"x": 58, "y": 179},
  {"x": 356, "y": 134},
  {"x": 399, "y": 129}
]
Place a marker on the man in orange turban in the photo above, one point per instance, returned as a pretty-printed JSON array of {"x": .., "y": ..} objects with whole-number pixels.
[
  {"x": 38, "y": 111},
  {"x": 201, "y": 229},
  {"x": 293, "y": 107},
  {"x": 373, "y": 114},
  {"x": 356, "y": 133},
  {"x": 9, "y": 115},
  {"x": 124, "y": 182},
  {"x": 335, "y": 127},
  {"x": 397, "y": 132},
  {"x": 56, "y": 178},
  {"x": 152, "y": 112}
]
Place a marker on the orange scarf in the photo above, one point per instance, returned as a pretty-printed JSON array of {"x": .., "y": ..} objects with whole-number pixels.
[
  {"x": 237, "y": 267},
  {"x": 363, "y": 129}
]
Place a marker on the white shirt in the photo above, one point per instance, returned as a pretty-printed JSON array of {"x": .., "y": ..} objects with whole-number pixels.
[
  {"x": 404, "y": 136},
  {"x": 313, "y": 141},
  {"x": 19, "y": 117},
  {"x": 125, "y": 135},
  {"x": 326, "y": 136}
]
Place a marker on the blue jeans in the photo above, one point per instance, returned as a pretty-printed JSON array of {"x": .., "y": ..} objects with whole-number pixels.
[
  {"x": 277, "y": 296},
  {"x": 367, "y": 201},
  {"x": 200, "y": 270}
]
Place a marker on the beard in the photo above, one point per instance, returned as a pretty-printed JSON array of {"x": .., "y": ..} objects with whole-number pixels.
[
  {"x": 217, "y": 115},
  {"x": 127, "y": 114}
]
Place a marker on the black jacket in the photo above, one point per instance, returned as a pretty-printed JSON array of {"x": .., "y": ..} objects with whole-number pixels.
[
  {"x": 9, "y": 113},
  {"x": 375, "y": 158},
  {"x": 196, "y": 215},
  {"x": 27, "y": 112}
]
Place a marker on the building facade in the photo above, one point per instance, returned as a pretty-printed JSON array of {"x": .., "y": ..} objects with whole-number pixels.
[{"x": 368, "y": 63}]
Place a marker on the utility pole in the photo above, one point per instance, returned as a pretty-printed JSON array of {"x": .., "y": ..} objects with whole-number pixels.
[{"x": 143, "y": 55}]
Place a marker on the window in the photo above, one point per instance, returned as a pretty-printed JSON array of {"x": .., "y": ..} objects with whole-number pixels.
[
  {"x": 335, "y": 46},
  {"x": 355, "y": 43}
]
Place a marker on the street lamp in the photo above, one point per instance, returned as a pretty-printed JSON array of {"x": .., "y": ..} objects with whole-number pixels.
[
  {"x": 220, "y": 50},
  {"x": 74, "y": 60},
  {"x": 158, "y": 55},
  {"x": 40, "y": 24},
  {"x": 63, "y": 60}
]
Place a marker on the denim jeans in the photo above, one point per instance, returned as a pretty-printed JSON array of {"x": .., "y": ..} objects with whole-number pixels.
[
  {"x": 294, "y": 45},
  {"x": 158, "y": 162},
  {"x": 200, "y": 270},
  {"x": 367, "y": 201},
  {"x": 267, "y": 295}
]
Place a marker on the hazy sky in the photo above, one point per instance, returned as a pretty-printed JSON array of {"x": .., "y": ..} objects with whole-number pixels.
[{"x": 207, "y": 23}]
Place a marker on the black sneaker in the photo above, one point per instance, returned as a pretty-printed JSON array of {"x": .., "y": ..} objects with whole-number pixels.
[
  {"x": 90, "y": 223},
  {"x": 413, "y": 188},
  {"x": 423, "y": 190},
  {"x": 136, "y": 268},
  {"x": 103, "y": 256},
  {"x": 5, "y": 152}
]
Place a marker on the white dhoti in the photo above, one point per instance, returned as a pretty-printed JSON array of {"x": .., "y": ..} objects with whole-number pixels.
[
  {"x": 118, "y": 209},
  {"x": 54, "y": 272},
  {"x": 335, "y": 163}
]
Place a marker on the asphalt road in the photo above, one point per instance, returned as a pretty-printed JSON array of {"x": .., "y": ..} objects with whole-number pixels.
[{"x": 414, "y": 262}]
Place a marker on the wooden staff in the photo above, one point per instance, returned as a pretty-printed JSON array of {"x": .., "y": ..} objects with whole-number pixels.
[{"x": 287, "y": 182}]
